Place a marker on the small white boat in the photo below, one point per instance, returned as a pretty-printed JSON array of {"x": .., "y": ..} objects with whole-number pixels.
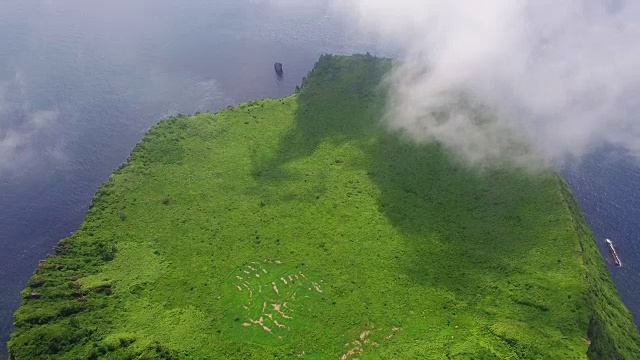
[{"x": 614, "y": 253}]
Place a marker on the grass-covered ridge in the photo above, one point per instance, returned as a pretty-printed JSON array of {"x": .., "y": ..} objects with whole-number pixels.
[{"x": 298, "y": 228}]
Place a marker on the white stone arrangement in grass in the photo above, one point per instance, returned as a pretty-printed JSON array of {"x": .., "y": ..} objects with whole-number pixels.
[
  {"x": 364, "y": 342},
  {"x": 271, "y": 293}
]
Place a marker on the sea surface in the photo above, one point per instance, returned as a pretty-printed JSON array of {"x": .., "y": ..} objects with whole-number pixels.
[{"x": 82, "y": 80}]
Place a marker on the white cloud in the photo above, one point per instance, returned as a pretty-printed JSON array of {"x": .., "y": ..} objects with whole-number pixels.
[{"x": 561, "y": 76}]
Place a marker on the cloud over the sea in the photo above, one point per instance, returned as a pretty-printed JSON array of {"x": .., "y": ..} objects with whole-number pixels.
[
  {"x": 23, "y": 129},
  {"x": 482, "y": 77}
]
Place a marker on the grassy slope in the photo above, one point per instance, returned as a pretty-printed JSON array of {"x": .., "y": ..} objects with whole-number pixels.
[{"x": 387, "y": 247}]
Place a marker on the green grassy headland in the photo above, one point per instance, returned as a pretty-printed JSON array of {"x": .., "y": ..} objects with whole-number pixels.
[{"x": 299, "y": 228}]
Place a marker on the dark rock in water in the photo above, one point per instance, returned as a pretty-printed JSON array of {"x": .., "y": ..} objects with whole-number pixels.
[{"x": 278, "y": 68}]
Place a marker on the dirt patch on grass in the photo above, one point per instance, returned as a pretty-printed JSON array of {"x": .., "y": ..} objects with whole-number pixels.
[{"x": 364, "y": 342}]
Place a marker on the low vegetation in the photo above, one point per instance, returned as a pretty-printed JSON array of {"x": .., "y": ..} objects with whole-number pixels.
[{"x": 299, "y": 228}]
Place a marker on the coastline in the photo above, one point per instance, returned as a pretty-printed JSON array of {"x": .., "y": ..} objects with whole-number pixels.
[
  {"x": 90, "y": 254},
  {"x": 607, "y": 339}
]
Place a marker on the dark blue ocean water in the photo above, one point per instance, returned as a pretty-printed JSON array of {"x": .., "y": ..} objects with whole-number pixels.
[{"x": 81, "y": 81}]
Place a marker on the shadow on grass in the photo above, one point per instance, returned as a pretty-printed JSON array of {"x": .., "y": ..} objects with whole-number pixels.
[
  {"x": 464, "y": 221},
  {"x": 336, "y": 104},
  {"x": 469, "y": 223}
]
